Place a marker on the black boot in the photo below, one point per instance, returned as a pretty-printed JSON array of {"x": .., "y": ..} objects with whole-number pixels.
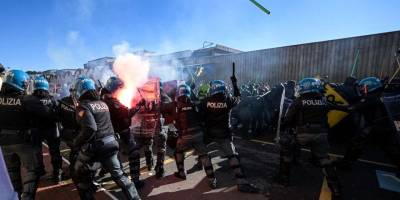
[
  {"x": 283, "y": 178},
  {"x": 159, "y": 171},
  {"x": 139, "y": 184},
  {"x": 57, "y": 176},
  {"x": 333, "y": 182},
  {"x": 199, "y": 164},
  {"x": 180, "y": 174},
  {"x": 86, "y": 194},
  {"x": 128, "y": 188},
  {"x": 212, "y": 182},
  {"x": 248, "y": 188}
]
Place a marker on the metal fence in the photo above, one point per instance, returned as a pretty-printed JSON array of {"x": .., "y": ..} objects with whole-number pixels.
[{"x": 332, "y": 58}]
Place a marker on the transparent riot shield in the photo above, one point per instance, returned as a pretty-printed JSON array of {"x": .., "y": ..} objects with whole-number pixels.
[{"x": 392, "y": 105}]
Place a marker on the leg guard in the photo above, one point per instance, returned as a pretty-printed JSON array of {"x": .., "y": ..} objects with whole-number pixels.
[
  {"x": 354, "y": 150},
  {"x": 180, "y": 159},
  {"x": 31, "y": 180},
  {"x": 234, "y": 163},
  {"x": 112, "y": 165},
  {"x": 161, "y": 148},
  {"x": 283, "y": 177},
  {"x": 14, "y": 171},
  {"x": 128, "y": 188},
  {"x": 83, "y": 177},
  {"x": 149, "y": 159},
  {"x": 333, "y": 181},
  {"x": 208, "y": 168},
  {"x": 54, "y": 149},
  {"x": 135, "y": 165}
]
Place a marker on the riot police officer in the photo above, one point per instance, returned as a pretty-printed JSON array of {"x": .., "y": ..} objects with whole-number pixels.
[
  {"x": 96, "y": 143},
  {"x": 46, "y": 127},
  {"x": 15, "y": 137},
  {"x": 120, "y": 117},
  {"x": 215, "y": 110},
  {"x": 189, "y": 124},
  {"x": 308, "y": 116},
  {"x": 148, "y": 131},
  {"x": 374, "y": 119},
  {"x": 69, "y": 127}
]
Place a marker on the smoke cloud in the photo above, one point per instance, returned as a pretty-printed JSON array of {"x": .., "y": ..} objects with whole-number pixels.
[{"x": 133, "y": 70}]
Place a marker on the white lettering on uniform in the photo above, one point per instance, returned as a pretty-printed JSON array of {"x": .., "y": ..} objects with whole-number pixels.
[
  {"x": 45, "y": 102},
  {"x": 10, "y": 102},
  {"x": 186, "y": 108},
  {"x": 217, "y": 105},
  {"x": 312, "y": 102},
  {"x": 98, "y": 106}
]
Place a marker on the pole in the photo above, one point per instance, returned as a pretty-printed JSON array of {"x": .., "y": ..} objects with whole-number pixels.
[{"x": 355, "y": 62}]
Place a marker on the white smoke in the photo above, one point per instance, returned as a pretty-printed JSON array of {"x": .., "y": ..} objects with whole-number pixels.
[
  {"x": 122, "y": 48},
  {"x": 134, "y": 72}
]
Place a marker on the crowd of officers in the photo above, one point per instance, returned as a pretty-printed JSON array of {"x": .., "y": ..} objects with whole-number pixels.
[{"x": 96, "y": 126}]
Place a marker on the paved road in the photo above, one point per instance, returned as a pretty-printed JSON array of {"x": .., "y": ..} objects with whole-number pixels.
[{"x": 260, "y": 162}]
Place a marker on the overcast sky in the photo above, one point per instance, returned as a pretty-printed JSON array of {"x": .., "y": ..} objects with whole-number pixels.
[{"x": 45, "y": 34}]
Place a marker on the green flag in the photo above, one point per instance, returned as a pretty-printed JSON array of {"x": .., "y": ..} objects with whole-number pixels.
[{"x": 260, "y": 7}]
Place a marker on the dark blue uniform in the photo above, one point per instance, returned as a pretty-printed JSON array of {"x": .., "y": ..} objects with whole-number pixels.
[
  {"x": 16, "y": 140},
  {"x": 69, "y": 126},
  {"x": 45, "y": 128},
  {"x": 307, "y": 115},
  {"x": 96, "y": 143}
]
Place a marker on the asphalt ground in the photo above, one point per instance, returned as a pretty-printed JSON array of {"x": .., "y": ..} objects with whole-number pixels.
[{"x": 260, "y": 161}]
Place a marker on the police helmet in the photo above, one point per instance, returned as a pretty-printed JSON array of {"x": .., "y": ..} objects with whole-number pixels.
[
  {"x": 370, "y": 84},
  {"x": 113, "y": 84},
  {"x": 310, "y": 85},
  {"x": 17, "y": 79},
  {"x": 83, "y": 85},
  {"x": 217, "y": 86},
  {"x": 183, "y": 90},
  {"x": 40, "y": 83}
]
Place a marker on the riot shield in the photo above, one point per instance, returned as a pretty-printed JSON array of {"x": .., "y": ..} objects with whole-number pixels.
[
  {"x": 6, "y": 188},
  {"x": 147, "y": 121},
  {"x": 392, "y": 104}
]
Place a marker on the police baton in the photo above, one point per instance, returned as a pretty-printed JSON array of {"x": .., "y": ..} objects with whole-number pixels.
[{"x": 397, "y": 54}]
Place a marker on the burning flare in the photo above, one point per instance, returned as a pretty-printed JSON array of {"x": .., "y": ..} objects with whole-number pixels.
[{"x": 134, "y": 72}]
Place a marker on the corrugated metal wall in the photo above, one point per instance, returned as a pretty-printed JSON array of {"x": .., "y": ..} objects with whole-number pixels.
[{"x": 329, "y": 58}]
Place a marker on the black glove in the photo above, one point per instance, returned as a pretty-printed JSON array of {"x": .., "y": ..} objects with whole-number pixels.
[{"x": 142, "y": 102}]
